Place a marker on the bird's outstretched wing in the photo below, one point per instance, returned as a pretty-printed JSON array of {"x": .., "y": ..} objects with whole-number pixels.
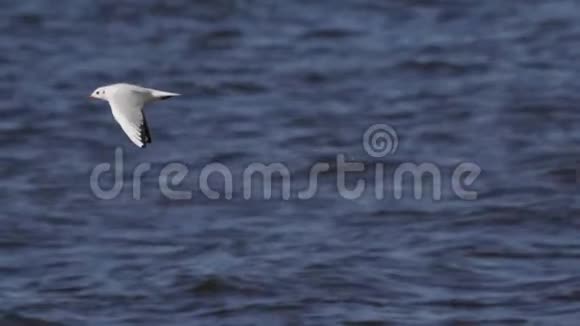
[{"x": 128, "y": 112}]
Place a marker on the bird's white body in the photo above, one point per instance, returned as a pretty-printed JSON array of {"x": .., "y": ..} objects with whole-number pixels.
[{"x": 127, "y": 102}]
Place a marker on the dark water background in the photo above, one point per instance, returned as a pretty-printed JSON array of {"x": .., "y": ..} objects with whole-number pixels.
[{"x": 491, "y": 82}]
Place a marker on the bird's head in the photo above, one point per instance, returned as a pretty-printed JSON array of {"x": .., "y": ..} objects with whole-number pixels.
[{"x": 100, "y": 93}]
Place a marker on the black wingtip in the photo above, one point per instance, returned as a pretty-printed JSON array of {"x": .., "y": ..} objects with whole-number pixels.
[{"x": 144, "y": 133}]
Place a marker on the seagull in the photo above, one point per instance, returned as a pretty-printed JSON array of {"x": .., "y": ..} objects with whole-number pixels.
[{"x": 127, "y": 102}]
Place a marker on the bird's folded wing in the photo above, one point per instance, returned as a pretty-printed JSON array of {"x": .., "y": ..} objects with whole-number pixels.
[{"x": 128, "y": 112}]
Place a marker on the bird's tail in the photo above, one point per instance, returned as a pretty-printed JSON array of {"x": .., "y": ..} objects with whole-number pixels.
[{"x": 162, "y": 95}]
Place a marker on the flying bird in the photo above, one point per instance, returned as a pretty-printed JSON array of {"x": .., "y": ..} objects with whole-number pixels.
[{"x": 127, "y": 102}]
